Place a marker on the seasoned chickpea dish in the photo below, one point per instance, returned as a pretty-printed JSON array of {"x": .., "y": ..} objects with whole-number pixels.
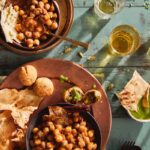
[
  {"x": 35, "y": 22},
  {"x": 63, "y": 130}
]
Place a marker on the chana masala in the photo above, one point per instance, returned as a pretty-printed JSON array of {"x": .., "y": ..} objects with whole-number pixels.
[
  {"x": 35, "y": 22},
  {"x": 62, "y": 130}
]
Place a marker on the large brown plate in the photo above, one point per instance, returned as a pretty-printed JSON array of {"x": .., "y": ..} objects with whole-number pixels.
[
  {"x": 53, "y": 68},
  {"x": 66, "y": 12}
]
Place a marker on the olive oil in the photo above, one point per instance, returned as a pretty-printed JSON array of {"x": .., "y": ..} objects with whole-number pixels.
[{"x": 107, "y": 6}]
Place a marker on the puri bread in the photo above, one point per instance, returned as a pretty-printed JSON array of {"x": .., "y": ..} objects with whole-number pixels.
[
  {"x": 27, "y": 75},
  {"x": 43, "y": 87}
]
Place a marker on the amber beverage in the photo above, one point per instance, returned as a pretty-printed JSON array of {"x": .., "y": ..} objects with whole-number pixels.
[{"x": 124, "y": 40}]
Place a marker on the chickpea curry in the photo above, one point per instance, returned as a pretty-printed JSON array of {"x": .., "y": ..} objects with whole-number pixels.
[
  {"x": 35, "y": 22},
  {"x": 63, "y": 130}
]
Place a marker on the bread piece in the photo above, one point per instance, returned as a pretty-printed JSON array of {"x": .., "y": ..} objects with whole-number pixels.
[
  {"x": 43, "y": 87},
  {"x": 8, "y": 23},
  {"x": 27, "y": 75},
  {"x": 2, "y": 4}
]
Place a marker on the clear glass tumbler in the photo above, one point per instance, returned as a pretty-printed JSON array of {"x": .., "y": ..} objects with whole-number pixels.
[{"x": 106, "y": 8}]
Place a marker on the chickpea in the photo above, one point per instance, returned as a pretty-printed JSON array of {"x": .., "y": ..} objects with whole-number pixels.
[
  {"x": 28, "y": 34},
  {"x": 43, "y": 144},
  {"x": 59, "y": 127},
  {"x": 82, "y": 128},
  {"x": 90, "y": 146},
  {"x": 59, "y": 138},
  {"x": 37, "y": 11},
  {"x": 62, "y": 148},
  {"x": 32, "y": 7},
  {"x": 54, "y": 16},
  {"x": 91, "y": 133},
  {"x": 69, "y": 146},
  {"x": 21, "y": 12},
  {"x": 47, "y": 6},
  {"x": 16, "y": 7},
  {"x": 47, "y": 17},
  {"x": 54, "y": 25},
  {"x": 65, "y": 142},
  {"x": 35, "y": 2},
  {"x": 18, "y": 27},
  {"x": 37, "y": 142},
  {"x": 30, "y": 22},
  {"x": 46, "y": 130},
  {"x": 44, "y": 11},
  {"x": 36, "y": 35},
  {"x": 52, "y": 8},
  {"x": 74, "y": 132},
  {"x": 44, "y": 1},
  {"x": 29, "y": 43},
  {"x": 41, "y": 4},
  {"x": 40, "y": 134},
  {"x": 83, "y": 123},
  {"x": 35, "y": 130},
  {"x": 56, "y": 132},
  {"x": 32, "y": 15},
  {"x": 81, "y": 143},
  {"x": 68, "y": 129},
  {"x": 77, "y": 126},
  {"x": 37, "y": 43},
  {"x": 50, "y": 145},
  {"x": 49, "y": 23},
  {"x": 50, "y": 14},
  {"x": 86, "y": 139},
  {"x": 51, "y": 126},
  {"x": 20, "y": 36},
  {"x": 76, "y": 119}
]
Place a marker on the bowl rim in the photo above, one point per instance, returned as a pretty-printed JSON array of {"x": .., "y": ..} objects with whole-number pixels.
[
  {"x": 23, "y": 52},
  {"x": 36, "y": 112},
  {"x": 139, "y": 120}
]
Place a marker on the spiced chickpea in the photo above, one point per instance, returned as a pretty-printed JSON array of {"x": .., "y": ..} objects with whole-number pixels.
[
  {"x": 54, "y": 25},
  {"x": 46, "y": 17},
  {"x": 47, "y": 6},
  {"x": 18, "y": 27},
  {"x": 49, "y": 23},
  {"x": 20, "y": 36},
  {"x": 45, "y": 1},
  {"x": 32, "y": 7},
  {"x": 35, "y": 2},
  {"x": 21, "y": 12},
  {"x": 16, "y": 7},
  {"x": 36, "y": 42},
  {"x": 37, "y": 142},
  {"x": 54, "y": 16},
  {"x": 41, "y": 4},
  {"x": 29, "y": 43},
  {"x": 36, "y": 35},
  {"x": 28, "y": 34}
]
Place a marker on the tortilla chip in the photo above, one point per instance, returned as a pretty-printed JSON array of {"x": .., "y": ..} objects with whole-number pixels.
[
  {"x": 7, "y": 126},
  {"x": 133, "y": 92}
]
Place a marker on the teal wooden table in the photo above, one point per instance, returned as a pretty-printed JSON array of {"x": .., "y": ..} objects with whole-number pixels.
[{"x": 111, "y": 71}]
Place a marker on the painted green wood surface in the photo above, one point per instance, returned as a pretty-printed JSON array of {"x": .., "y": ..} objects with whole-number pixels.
[{"x": 108, "y": 69}]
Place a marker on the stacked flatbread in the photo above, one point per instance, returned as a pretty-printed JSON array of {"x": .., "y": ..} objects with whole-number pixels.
[
  {"x": 133, "y": 92},
  {"x": 16, "y": 108}
]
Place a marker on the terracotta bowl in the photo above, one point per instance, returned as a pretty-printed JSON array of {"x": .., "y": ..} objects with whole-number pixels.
[
  {"x": 65, "y": 12},
  {"x": 37, "y": 116}
]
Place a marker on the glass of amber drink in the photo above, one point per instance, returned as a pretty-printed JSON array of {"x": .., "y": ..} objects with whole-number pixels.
[
  {"x": 106, "y": 8},
  {"x": 124, "y": 40}
]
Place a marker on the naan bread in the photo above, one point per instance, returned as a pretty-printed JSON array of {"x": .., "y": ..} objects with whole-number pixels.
[
  {"x": 8, "y": 23},
  {"x": 7, "y": 127},
  {"x": 2, "y": 4},
  {"x": 133, "y": 92}
]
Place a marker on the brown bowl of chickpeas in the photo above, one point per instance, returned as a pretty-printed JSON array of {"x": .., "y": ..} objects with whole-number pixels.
[
  {"x": 35, "y": 23},
  {"x": 36, "y": 20},
  {"x": 59, "y": 128}
]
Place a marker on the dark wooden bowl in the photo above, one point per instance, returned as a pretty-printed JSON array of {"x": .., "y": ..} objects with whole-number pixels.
[
  {"x": 37, "y": 117},
  {"x": 65, "y": 13}
]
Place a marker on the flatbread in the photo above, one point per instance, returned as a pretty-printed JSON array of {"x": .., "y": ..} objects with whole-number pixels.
[
  {"x": 7, "y": 126},
  {"x": 133, "y": 92}
]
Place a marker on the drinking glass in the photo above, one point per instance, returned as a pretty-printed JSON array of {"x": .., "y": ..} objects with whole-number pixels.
[
  {"x": 106, "y": 8},
  {"x": 124, "y": 40}
]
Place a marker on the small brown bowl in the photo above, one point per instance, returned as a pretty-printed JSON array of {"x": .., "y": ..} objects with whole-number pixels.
[
  {"x": 37, "y": 116},
  {"x": 43, "y": 43},
  {"x": 64, "y": 9}
]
